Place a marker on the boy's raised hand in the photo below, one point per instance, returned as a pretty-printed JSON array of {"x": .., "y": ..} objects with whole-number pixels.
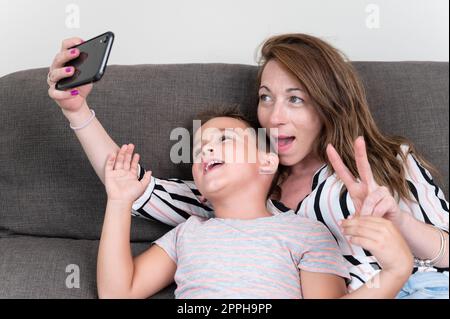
[{"x": 121, "y": 180}]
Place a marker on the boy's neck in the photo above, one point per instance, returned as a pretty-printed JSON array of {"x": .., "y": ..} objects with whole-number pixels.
[{"x": 240, "y": 207}]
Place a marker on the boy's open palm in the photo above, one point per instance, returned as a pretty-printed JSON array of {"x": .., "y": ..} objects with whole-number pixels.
[{"x": 121, "y": 180}]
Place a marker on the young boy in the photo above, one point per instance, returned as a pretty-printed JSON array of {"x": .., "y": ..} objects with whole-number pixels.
[{"x": 244, "y": 252}]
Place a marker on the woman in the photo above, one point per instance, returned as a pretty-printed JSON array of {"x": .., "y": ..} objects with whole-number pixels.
[{"x": 312, "y": 96}]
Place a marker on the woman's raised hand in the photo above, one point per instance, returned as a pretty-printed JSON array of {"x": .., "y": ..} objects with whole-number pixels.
[
  {"x": 376, "y": 213},
  {"x": 369, "y": 198},
  {"x": 70, "y": 100}
]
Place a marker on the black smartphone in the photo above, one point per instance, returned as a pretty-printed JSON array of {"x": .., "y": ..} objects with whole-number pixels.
[{"x": 90, "y": 65}]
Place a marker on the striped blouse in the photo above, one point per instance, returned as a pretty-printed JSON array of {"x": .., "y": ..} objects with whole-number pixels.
[{"x": 172, "y": 201}]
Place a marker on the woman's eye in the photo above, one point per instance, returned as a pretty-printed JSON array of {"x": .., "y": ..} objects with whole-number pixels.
[
  {"x": 295, "y": 100},
  {"x": 264, "y": 98}
]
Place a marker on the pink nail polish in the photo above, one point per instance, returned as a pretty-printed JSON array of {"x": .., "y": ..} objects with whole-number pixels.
[
  {"x": 68, "y": 69},
  {"x": 74, "y": 92},
  {"x": 73, "y": 51}
]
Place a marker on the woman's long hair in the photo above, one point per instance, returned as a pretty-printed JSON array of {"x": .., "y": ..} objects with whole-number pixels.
[{"x": 332, "y": 83}]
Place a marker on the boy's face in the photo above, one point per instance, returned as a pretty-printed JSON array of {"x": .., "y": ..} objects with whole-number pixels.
[{"x": 227, "y": 159}]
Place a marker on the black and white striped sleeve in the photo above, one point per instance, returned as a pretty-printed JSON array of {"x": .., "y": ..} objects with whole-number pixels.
[
  {"x": 430, "y": 205},
  {"x": 170, "y": 201}
]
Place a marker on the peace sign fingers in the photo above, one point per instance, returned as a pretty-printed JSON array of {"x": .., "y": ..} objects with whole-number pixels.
[
  {"x": 362, "y": 164},
  {"x": 341, "y": 170}
]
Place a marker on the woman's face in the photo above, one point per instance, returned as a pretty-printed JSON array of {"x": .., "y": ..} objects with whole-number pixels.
[{"x": 285, "y": 106}]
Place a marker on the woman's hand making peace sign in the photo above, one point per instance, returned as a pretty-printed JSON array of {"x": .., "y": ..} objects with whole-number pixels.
[
  {"x": 376, "y": 213},
  {"x": 369, "y": 198}
]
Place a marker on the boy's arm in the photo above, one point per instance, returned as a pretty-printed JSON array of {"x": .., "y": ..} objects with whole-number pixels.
[
  {"x": 323, "y": 286},
  {"x": 153, "y": 271},
  {"x": 317, "y": 285},
  {"x": 118, "y": 275},
  {"x": 96, "y": 142}
]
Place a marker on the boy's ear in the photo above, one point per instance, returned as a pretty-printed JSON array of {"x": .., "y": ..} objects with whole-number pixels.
[{"x": 268, "y": 163}]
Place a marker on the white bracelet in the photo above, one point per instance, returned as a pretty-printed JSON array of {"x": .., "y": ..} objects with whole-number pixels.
[
  {"x": 85, "y": 124},
  {"x": 431, "y": 262}
]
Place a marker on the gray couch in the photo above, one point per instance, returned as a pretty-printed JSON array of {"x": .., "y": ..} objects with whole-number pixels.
[{"x": 52, "y": 203}]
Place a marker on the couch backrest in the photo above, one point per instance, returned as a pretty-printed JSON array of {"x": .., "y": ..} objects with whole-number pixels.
[{"x": 48, "y": 188}]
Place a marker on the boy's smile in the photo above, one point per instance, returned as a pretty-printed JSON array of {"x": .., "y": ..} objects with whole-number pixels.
[{"x": 211, "y": 164}]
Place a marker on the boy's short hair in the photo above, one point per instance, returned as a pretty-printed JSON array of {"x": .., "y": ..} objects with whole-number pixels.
[{"x": 233, "y": 111}]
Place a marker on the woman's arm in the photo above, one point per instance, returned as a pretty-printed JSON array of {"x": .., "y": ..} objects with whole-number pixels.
[
  {"x": 424, "y": 239},
  {"x": 431, "y": 206},
  {"x": 93, "y": 138},
  {"x": 383, "y": 285},
  {"x": 96, "y": 142},
  {"x": 175, "y": 200},
  {"x": 328, "y": 286}
]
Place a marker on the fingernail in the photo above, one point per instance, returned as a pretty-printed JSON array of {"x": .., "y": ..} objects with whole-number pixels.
[
  {"x": 73, "y": 51},
  {"x": 68, "y": 69},
  {"x": 339, "y": 222},
  {"x": 350, "y": 217},
  {"x": 74, "y": 92}
]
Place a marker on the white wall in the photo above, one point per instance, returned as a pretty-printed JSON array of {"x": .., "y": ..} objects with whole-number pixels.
[{"x": 229, "y": 31}]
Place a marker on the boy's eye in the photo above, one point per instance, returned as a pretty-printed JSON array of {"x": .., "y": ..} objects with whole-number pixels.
[
  {"x": 295, "y": 100},
  {"x": 225, "y": 137}
]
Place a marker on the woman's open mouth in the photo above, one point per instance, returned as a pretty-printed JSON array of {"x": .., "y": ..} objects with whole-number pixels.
[
  {"x": 284, "y": 142},
  {"x": 211, "y": 165}
]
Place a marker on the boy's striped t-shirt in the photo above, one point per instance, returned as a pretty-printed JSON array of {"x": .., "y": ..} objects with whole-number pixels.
[{"x": 257, "y": 258}]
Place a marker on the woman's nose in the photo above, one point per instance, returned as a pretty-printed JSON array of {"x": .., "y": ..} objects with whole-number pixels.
[{"x": 278, "y": 115}]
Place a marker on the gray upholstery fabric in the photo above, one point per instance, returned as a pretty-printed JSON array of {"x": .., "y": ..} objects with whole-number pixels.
[
  {"x": 33, "y": 267},
  {"x": 50, "y": 195}
]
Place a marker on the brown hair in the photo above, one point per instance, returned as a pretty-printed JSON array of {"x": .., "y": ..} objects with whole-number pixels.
[
  {"x": 332, "y": 83},
  {"x": 233, "y": 111}
]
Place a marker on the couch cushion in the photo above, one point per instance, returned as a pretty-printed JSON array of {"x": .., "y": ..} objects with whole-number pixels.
[
  {"x": 48, "y": 188},
  {"x": 410, "y": 99},
  {"x": 33, "y": 267}
]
